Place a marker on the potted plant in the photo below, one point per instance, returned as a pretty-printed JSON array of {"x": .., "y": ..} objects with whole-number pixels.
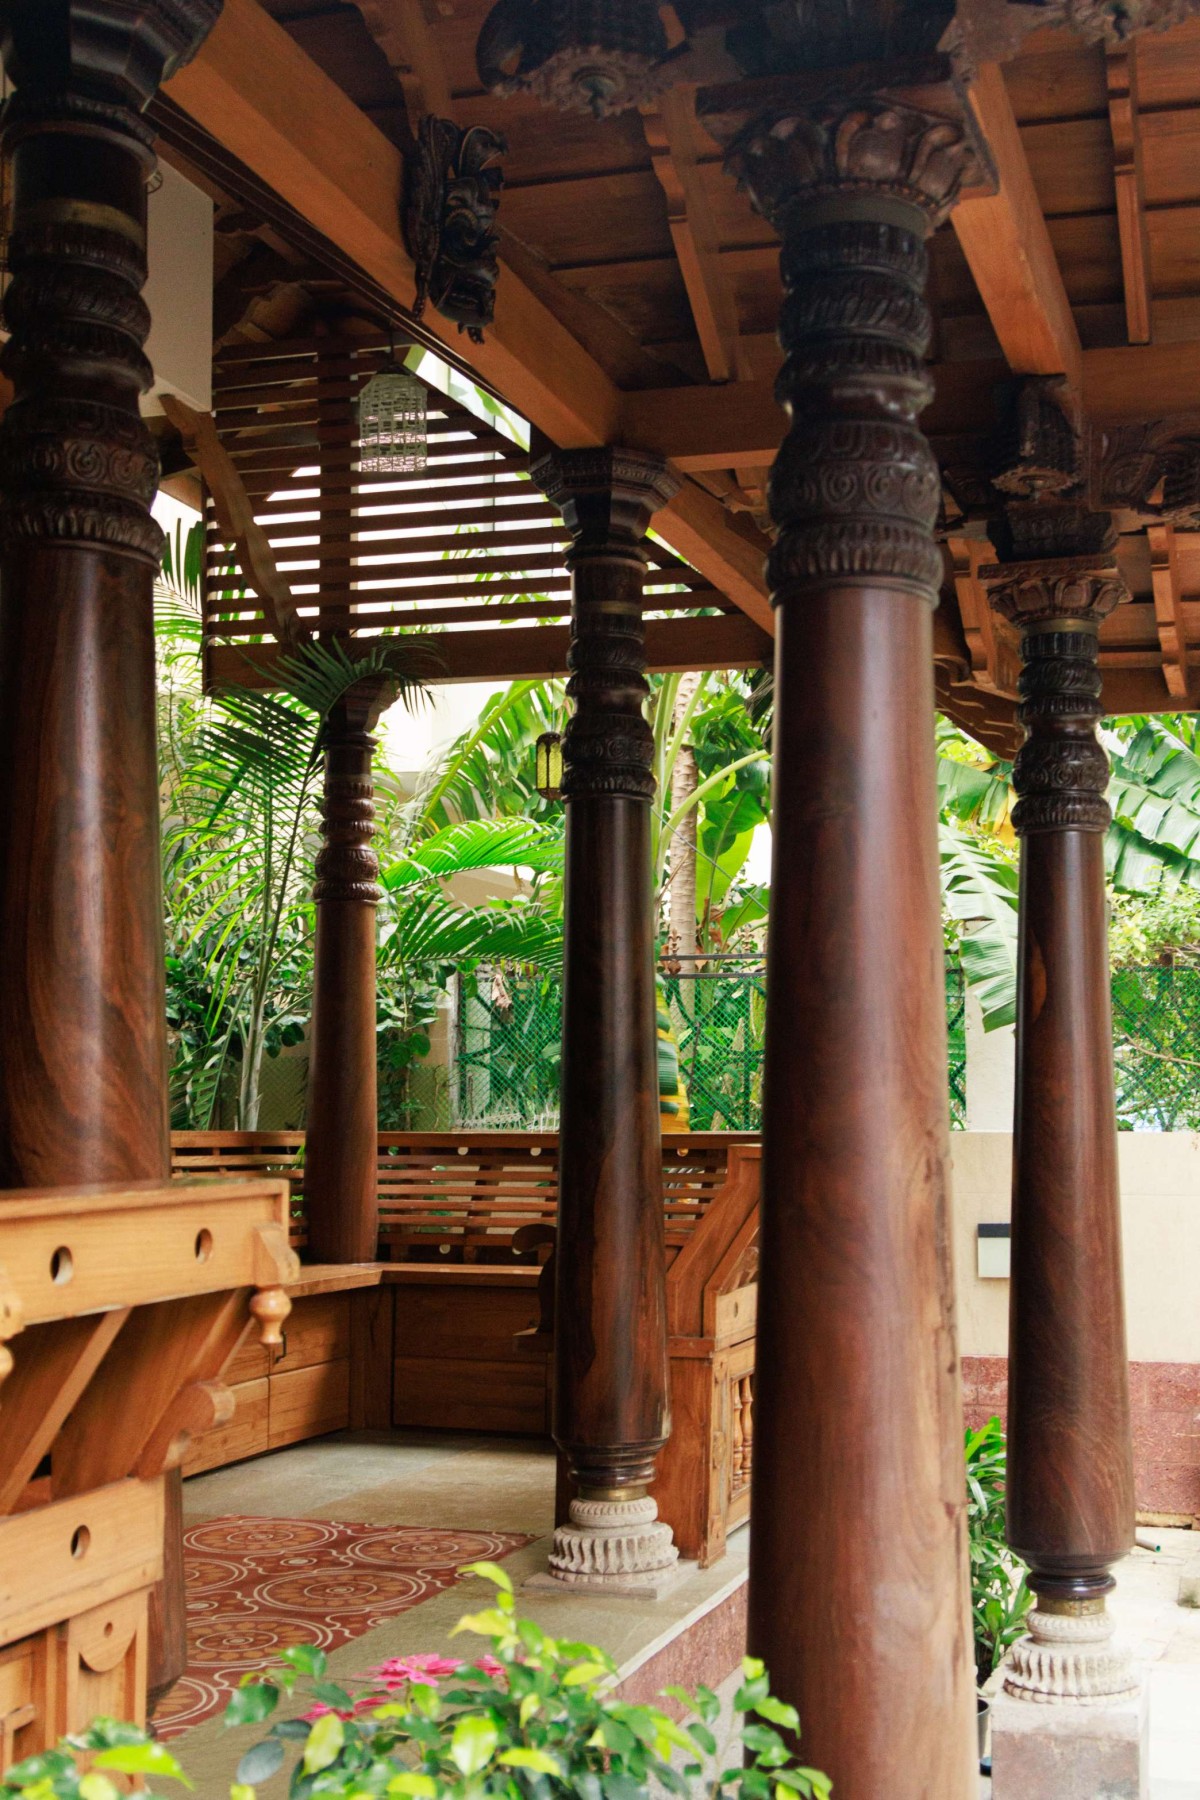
[
  {"x": 529, "y": 1720},
  {"x": 1000, "y": 1598}
]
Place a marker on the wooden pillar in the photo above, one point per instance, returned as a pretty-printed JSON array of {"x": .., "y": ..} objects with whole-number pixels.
[
  {"x": 858, "y": 1576},
  {"x": 610, "y": 1409},
  {"x": 342, "y": 1142},
  {"x": 83, "y": 1074},
  {"x": 1070, "y": 1460}
]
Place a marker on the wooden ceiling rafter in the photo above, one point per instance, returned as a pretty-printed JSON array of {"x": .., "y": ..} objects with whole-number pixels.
[
  {"x": 260, "y": 96},
  {"x": 1121, "y": 68},
  {"x": 405, "y": 36},
  {"x": 1004, "y": 237},
  {"x": 673, "y": 135},
  {"x": 1169, "y": 614}
]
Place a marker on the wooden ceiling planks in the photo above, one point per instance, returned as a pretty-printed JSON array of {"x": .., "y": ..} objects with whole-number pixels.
[{"x": 595, "y": 239}]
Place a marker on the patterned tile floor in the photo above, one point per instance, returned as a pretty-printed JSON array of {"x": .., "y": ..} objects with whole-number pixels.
[{"x": 256, "y": 1584}]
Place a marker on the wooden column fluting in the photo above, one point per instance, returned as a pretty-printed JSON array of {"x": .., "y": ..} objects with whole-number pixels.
[
  {"x": 610, "y": 1405},
  {"x": 1070, "y": 1464},
  {"x": 341, "y": 1148},
  {"x": 83, "y": 1073},
  {"x": 858, "y": 1576}
]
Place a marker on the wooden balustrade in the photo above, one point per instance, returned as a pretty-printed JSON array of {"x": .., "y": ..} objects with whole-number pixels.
[{"x": 474, "y": 1353}]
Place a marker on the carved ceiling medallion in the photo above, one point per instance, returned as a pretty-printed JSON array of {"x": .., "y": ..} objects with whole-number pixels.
[{"x": 597, "y": 56}]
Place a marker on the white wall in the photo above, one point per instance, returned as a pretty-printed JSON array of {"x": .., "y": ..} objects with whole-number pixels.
[
  {"x": 179, "y": 292},
  {"x": 1160, "y": 1191}
]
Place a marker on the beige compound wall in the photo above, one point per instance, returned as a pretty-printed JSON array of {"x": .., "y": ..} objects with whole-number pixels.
[{"x": 1160, "y": 1191}]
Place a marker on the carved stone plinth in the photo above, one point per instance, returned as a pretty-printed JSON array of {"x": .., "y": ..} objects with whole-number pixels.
[
  {"x": 1071, "y": 1752},
  {"x": 1070, "y": 1655},
  {"x": 614, "y": 1547}
]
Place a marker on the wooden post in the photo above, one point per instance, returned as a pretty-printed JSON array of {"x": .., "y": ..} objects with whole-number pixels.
[
  {"x": 1070, "y": 1460},
  {"x": 83, "y": 1075},
  {"x": 858, "y": 1577},
  {"x": 610, "y": 1403},
  {"x": 342, "y": 1143}
]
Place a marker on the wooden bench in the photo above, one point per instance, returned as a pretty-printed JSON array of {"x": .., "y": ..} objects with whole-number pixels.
[{"x": 458, "y": 1348}]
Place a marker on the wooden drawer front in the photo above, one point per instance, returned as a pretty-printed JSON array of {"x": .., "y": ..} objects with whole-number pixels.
[
  {"x": 463, "y": 1323},
  {"x": 468, "y": 1395},
  {"x": 308, "y": 1402},
  {"x": 249, "y": 1362},
  {"x": 245, "y": 1434},
  {"x": 317, "y": 1330}
]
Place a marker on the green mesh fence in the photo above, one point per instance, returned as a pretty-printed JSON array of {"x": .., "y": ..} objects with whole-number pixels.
[
  {"x": 956, "y": 1043},
  {"x": 1156, "y": 1048},
  {"x": 508, "y": 1045},
  {"x": 507, "y": 1052},
  {"x": 717, "y": 1013}
]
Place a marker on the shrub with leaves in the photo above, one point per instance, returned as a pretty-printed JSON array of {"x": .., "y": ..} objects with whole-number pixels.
[
  {"x": 528, "y": 1720},
  {"x": 1000, "y": 1599},
  {"x": 83, "y": 1766}
]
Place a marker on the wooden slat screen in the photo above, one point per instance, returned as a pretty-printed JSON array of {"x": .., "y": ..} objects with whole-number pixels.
[
  {"x": 470, "y": 541},
  {"x": 462, "y": 1194}
]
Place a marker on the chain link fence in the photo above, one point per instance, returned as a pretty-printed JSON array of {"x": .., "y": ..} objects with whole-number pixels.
[
  {"x": 507, "y": 1052},
  {"x": 505, "y": 1074}
]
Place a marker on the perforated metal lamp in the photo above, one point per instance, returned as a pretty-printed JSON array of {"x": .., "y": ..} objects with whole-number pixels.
[
  {"x": 548, "y": 765},
  {"x": 393, "y": 431}
]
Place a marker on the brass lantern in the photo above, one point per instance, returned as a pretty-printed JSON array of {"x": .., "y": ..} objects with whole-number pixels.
[
  {"x": 548, "y": 765},
  {"x": 597, "y": 56}
]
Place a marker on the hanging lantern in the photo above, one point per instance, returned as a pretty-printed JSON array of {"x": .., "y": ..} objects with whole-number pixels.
[
  {"x": 548, "y": 764},
  {"x": 393, "y": 433}
]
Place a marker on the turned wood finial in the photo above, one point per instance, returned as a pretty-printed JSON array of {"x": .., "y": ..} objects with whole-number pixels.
[{"x": 270, "y": 1307}]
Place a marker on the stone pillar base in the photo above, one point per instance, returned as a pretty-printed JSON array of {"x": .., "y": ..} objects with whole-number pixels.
[
  {"x": 1068, "y": 1751},
  {"x": 616, "y": 1547}
]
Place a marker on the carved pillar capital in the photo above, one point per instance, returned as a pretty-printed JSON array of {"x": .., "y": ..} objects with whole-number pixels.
[
  {"x": 607, "y": 498},
  {"x": 1061, "y": 771},
  {"x": 791, "y": 157},
  {"x": 119, "y": 51},
  {"x": 77, "y": 463}
]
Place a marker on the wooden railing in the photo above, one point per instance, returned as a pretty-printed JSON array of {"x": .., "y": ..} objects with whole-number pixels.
[{"x": 471, "y": 1355}]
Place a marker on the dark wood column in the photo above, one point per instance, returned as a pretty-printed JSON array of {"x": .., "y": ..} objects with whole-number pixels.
[
  {"x": 1070, "y": 1462},
  {"x": 610, "y": 1410},
  {"x": 83, "y": 1075},
  {"x": 858, "y": 1579},
  {"x": 340, "y": 1179}
]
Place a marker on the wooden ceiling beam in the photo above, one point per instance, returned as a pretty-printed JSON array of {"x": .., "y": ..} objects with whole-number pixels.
[
  {"x": 1122, "y": 73},
  {"x": 1005, "y": 241},
  {"x": 254, "y": 90},
  {"x": 535, "y": 652},
  {"x": 673, "y": 135},
  {"x": 1169, "y": 611},
  {"x": 405, "y": 36}
]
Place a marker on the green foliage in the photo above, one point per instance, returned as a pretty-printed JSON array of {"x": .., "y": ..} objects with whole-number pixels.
[
  {"x": 1000, "y": 1598},
  {"x": 82, "y": 1766},
  {"x": 527, "y": 1722}
]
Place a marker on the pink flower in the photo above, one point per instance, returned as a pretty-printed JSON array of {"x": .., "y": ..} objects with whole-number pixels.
[{"x": 427, "y": 1667}]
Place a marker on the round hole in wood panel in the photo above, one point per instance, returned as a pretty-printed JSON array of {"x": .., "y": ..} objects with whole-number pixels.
[
  {"x": 109, "y": 1628},
  {"x": 62, "y": 1266},
  {"x": 80, "y": 1540},
  {"x": 203, "y": 1245}
]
